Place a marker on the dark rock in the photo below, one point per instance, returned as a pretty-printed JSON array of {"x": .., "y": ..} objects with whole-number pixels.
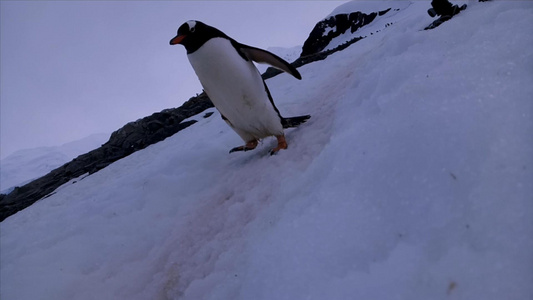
[
  {"x": 131, "y": 137},
  {"x": 336, "y": 25},
  {"x": 454, "y": 10}
]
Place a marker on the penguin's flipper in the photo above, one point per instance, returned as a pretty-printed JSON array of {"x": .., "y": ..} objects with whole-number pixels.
[
  {"x": 294, "y": 121},
  {"x": 263, "y": 56}
]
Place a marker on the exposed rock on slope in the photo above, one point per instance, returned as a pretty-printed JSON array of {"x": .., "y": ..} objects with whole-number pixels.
[
  {"x": 328, "y": 29},
  {"x": 128, "y": 139}
]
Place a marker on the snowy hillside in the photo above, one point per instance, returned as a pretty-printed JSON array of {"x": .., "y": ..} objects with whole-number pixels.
[
  {"x": 412, "y": 180},
  {"x": 24, "y": 165}
]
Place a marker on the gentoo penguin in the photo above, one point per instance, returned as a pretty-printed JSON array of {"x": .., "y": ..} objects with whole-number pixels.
[{"x": 234, "y": 85}]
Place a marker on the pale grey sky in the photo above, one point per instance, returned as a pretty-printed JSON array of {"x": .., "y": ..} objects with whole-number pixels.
[{"x": 73, "y": 68}]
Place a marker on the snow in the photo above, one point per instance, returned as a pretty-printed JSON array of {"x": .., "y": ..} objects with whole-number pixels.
[
  {"x": 412, "y": 180},
  {"x": 327, "y": 30},
  {"x": 25, "y": 165},
  {"x": 289, "y": 54}
]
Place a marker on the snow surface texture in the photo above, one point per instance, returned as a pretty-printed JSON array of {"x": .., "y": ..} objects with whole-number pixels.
[
  {"x": 412, "y": 180},
  {"x": 25, "y": 165}
]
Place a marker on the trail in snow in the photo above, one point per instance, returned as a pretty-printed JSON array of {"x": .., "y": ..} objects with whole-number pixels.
[{"x": 412, "y": 180}]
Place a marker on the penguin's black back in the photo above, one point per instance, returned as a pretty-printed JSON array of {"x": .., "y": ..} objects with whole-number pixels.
[{"x": 198, "y": 35}]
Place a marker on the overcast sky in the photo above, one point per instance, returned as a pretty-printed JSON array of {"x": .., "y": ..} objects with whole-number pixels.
[{"x": 73, "y": 68}]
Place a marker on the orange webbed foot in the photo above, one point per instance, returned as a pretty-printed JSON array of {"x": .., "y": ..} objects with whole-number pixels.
[
  {"x": 249, "y": 146},
  {"x": 282, "y": 144}
]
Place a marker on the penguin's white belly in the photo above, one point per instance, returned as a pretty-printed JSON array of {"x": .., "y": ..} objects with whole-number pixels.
[{"x": 236, "y": 89}]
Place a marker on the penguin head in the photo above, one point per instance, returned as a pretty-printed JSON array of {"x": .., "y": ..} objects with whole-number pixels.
[{"x": 193, "y": 34}]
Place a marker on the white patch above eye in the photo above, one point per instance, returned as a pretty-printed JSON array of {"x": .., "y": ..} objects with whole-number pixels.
[{"x": 191, "y": 24}]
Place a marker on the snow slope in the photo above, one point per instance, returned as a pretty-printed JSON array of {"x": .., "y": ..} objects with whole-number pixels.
[
  {"x": 412, "y": 180},
  {"x": 25, "y": 165}
]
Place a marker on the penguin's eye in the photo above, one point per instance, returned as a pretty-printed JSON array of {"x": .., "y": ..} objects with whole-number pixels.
[{"x": 192, "y": 29}]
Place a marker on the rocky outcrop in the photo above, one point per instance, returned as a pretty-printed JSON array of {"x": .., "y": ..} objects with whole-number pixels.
[
  {"x": 328, "y": 29},
  {"x": 157, "y": 127},
  {"x": 132, "y": 137}
]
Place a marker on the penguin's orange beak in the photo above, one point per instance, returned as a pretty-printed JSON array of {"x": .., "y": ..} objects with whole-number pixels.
[{"x": 177, "y": 39}]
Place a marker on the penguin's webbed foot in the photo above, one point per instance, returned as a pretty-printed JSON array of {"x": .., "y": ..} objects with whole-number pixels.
[
  {"x": 282, "y": 144},
  {"x": 240, "y": 148},
  {"x": 249, "y": 146}
]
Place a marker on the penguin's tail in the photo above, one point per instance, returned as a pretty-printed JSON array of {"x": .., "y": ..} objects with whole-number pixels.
[{"x": 294, "y": 121}]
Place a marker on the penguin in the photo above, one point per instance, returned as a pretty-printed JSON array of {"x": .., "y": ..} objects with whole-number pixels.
[{"x": 229, "y": 77}]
